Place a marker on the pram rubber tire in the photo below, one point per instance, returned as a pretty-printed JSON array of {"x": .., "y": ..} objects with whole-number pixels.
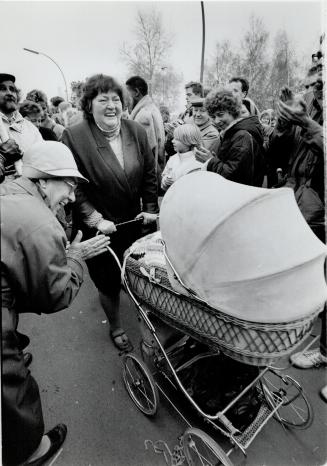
[
  {"x": 190, "y": 446},
  {"x": 140, "y": 384}
]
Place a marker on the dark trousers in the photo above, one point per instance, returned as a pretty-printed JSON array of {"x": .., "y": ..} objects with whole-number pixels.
[{"x": 22, "y": 418}]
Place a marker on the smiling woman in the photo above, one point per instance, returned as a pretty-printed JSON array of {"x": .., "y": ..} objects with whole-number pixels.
[{"x": 115, "y": 156}]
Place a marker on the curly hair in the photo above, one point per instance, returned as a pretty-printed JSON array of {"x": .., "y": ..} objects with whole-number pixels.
[
  {"x": 223, "y": 100},
  {"x": 28, "y": 107},
  {"x": 95, "y": 85},
  {"x": 37, "y": 96}
]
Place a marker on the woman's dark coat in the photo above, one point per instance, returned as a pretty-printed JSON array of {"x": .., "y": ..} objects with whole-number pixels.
[{"x": 118, "y": 194}]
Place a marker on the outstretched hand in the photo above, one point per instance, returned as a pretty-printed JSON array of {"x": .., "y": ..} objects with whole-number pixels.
[
  {"x": 295, "y": 114},
  {"x": 90, "y": 248}
]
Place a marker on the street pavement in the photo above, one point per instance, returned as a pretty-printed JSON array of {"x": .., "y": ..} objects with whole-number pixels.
[{"x": 79, "y": 373}]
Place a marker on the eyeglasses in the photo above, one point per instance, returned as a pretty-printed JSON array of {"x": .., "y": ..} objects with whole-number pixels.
[{"x": 73, "y": 186}]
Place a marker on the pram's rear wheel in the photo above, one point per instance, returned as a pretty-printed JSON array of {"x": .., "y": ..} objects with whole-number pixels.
[
  {"x": 140, "y": 384},
  {"x": 295, "y": 410},
  {"x": 201, "y": 450}
]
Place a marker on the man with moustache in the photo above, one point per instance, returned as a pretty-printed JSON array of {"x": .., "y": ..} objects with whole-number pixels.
[{"x": 22, "y": 133}]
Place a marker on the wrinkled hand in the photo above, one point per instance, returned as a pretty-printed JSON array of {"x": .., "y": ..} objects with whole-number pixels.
[
  {"x": 90, "y": 248},
  {"x": 202, "y": 154},
  {"x": 11, "y": 150},
  {"x": 295, "y": 114},
  {"x": 106, "y": 227},
  {"x": 147, "y": 217}
]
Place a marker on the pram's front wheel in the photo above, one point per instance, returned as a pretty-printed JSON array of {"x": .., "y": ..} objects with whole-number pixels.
[
  {"x": 140, "y": 384},
  {"x": 295, "y": 410},
  {"x": 200, "y": 449}
]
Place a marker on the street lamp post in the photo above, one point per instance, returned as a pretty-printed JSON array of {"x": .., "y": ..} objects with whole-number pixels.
[
  {"x": 45, "y": 55},
  {"x": 203, "y": 42}
]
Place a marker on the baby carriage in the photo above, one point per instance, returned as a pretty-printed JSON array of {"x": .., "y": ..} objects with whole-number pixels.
[{"x": 209, "y": 339}]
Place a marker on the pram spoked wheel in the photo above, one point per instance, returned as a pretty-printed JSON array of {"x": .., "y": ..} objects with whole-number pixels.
[
  {"x": 295, "y": 410},
  {"x": 140, "y": 384},
  {"x": 200, "y": 449}
]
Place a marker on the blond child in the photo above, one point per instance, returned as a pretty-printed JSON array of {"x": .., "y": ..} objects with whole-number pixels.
[{"x": 186, "y": 138}]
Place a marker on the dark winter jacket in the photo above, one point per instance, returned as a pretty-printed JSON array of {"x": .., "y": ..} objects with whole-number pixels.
[{"x": 240, "y": 155}]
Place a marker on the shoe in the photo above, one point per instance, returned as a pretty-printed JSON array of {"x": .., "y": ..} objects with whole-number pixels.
[
  {"x": 308, "y": 359},
  {"x": 28, "y": 358},
  {"x": 323, "y": 393},
  {"x": 124, "y": 344},
  {"x": 57, "y": 437}
]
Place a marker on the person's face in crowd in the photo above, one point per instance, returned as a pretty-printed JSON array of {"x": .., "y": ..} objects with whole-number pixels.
[
  {"x": 236, "y": 89},
  {"x": 200, "y": 115},
  {"x": 59, "y": 192},
  {"x": 44, "y": 114},
  {"x": 35, "y": 118},
  {"x": 179, "y": 146},
  {"x": 107, "y": 109},
  {"x": 318, "y": 85},
  {"x": 265, "y": 120},
  {"x": 244, "y": 112},
  {"x": 8, "y": 97},
  {"x": 189, "y": 95},
  {"x": 223, "y": 119},
  {"x": 165, "y": 116},
  {"x": 310, "y": 82}
]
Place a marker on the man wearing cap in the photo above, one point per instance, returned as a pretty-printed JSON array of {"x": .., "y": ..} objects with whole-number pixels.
[
  {"x": 209, "y": 133},
  {"x": 13, "y": 127},
  {"x": 38, "y": 276}
]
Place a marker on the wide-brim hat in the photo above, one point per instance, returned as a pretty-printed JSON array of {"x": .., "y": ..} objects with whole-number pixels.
[
  {"x": 7, "y": 77},
  {"x": 50, "y": 159}
]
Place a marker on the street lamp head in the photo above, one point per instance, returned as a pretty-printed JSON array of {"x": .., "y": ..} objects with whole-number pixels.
[{"x": 32, "y": 51}]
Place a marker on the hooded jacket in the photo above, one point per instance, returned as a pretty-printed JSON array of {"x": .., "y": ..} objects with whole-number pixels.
[{"x": 240, "y": 155}]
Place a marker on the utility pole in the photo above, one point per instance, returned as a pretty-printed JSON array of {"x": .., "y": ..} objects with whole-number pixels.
[{"x": 203, "y": 42}]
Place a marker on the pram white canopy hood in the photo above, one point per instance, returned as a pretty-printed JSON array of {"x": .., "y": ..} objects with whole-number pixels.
[{"x": 246, "y": 251}]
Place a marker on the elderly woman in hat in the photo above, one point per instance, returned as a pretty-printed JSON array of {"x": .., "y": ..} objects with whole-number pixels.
[
  {"x": 39, "y": 275},
  {"x": 115, "y": 156}
]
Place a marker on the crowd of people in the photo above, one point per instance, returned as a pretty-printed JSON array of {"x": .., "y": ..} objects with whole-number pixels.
[{"x": 74, "y": 176}]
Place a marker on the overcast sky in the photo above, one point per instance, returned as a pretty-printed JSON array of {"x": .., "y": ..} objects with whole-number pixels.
[{"x": 85, "y": 37}]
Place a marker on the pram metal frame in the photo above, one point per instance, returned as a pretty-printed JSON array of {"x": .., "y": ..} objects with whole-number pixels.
[{"x": 268, "y": 409}]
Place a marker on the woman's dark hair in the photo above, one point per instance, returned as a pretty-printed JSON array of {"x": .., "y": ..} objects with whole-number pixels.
[
  {"x": 37, "y": 96},
  {"x": 95, "y": 85},
  {"x": 28, "y": 107},
  {"x": 223, "y": 100}
]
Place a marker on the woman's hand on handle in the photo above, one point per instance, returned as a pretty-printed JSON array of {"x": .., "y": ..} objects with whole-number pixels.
[
  {"x": 106, "y": 227},
  {"x": 90, "y": 248},
  {"x": 147, "y": 217}
]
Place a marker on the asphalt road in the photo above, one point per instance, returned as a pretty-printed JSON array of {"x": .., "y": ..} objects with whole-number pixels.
[{"x": 80, "y": 378}]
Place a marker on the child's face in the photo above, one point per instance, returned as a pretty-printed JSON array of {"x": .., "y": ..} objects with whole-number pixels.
[{"x": 179, "y": 146}]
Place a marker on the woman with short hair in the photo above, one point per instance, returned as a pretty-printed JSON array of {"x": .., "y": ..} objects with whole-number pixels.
[
  {"x": 115, "y": 156},
  {"x": 239, "y": 157}
]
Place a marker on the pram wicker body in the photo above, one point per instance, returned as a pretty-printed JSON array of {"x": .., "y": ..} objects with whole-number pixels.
[{"x": 248, "y": 342}]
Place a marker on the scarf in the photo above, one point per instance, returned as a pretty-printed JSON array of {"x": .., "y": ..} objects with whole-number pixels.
[{"x": 111, "y": 133}]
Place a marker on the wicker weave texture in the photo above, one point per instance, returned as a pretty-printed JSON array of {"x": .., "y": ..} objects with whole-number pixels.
[{"x": 248, "y": 342}]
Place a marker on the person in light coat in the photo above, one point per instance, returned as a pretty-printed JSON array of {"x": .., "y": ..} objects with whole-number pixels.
[{"x": 39, "y": 274}]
